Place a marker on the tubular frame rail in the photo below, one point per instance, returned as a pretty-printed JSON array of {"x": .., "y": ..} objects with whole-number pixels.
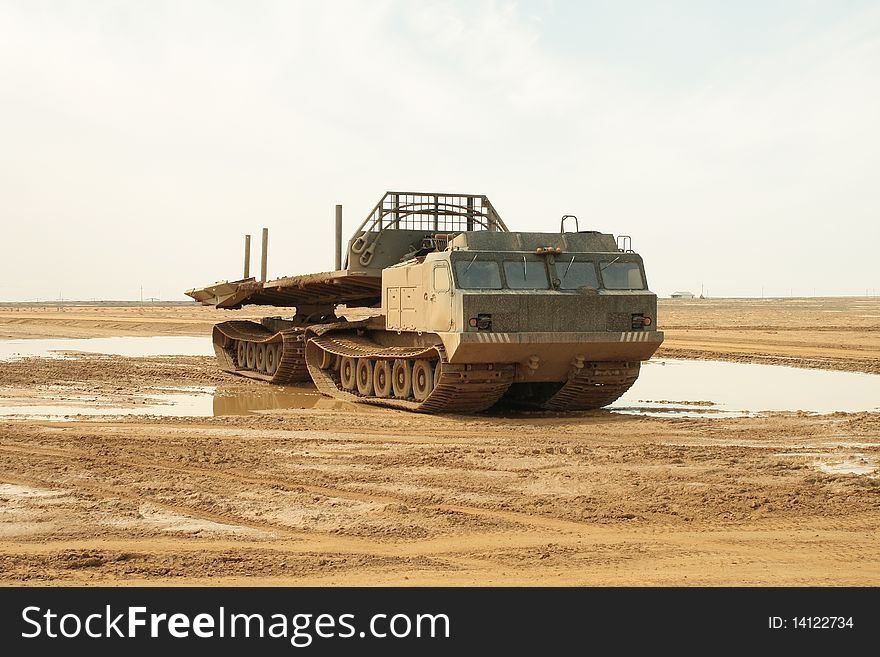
[{"x": 444, "y": 213}]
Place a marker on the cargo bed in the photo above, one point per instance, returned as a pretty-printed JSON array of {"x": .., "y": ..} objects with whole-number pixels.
[{"x": 332, "y": 287}]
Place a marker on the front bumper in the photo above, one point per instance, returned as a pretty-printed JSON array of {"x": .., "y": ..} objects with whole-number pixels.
[{"x": 548, "y": 356}]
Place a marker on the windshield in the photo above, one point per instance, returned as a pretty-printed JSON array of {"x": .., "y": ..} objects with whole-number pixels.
[
  {"x": 525, "y": 274},
  {"x": 573, "y": 274},
  {"x": 476, "y": 274},
  {"x": 622, "y": 275}
]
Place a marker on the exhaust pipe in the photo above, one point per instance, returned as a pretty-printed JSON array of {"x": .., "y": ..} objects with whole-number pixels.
[
  {"x": 338, "y": 237},
  {"x": 265, "y": 252},
  {"x": 247, "y": 256}
]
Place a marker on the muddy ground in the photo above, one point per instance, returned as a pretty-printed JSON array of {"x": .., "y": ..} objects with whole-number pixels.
[{"x": 340, "y": 494}]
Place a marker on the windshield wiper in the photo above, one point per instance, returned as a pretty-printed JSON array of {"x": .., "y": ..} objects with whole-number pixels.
[
  {"x": 604, "y": 266},
  {"x": 469, "y": 266},
  {"x": 567, "y": 268}
]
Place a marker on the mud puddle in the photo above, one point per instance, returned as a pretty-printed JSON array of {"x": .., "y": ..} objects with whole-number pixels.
[
  {"x": 856, "y": 464},
  {"x": 131, "y": 346},
  {"x": 666, "y": 387},
  {"x": 176, "y": 402},
  {"x": 837, "y": 462},
  {"x": 703, "y": 388},
  {"x": 277, "y": 398}
]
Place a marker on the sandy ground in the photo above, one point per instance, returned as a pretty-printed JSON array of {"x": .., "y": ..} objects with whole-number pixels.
[
  {"x": 50, "y": 321},
  {"x": 342, "y": 494},
  {"x": 835, "y": 333}
]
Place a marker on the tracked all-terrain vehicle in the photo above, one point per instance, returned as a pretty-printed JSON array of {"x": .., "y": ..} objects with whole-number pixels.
[{"x": 440, "y": 308}]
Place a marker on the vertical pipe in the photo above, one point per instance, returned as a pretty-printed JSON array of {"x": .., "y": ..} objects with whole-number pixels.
[
  {"x": 338, "y": 237},
  {"x": 247, "y": 256},
  {"x": 265, "y": 252}
]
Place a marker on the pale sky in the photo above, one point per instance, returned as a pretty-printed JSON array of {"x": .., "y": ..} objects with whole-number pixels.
[{"x": 736, "y": 142}]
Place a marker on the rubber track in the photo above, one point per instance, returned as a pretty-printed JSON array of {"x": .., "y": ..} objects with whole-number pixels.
[
  {"x": 595, "y": 385},
  {"x": 459, "y": 390},
  {"x": 292, "y": 366}
]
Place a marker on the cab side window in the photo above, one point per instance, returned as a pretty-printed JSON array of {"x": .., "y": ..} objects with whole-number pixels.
[
  {"x": 478, "y": 274},
  {"x": 441, "y": 278},
  {"x": 622, "y": 276}
]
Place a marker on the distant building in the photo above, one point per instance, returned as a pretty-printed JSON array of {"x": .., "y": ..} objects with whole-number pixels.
[{"x": 682, "y": 295}]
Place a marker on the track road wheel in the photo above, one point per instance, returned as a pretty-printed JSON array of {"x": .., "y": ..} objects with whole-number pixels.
[
  {"x": 273, "y": 355},
  {"x": 382, "y": 379},
  {"x": 251, "y": 350},
  {"x": 422, "y": 379},
  {"x": 365, "y": 376},
  {"x": 328, "y": 360},
  {"x": 261, "y": 357},
  {"x": 347, "y": 373},
  {"x": 241, "y": 353},
  {"x": 401, "y": 378}
]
